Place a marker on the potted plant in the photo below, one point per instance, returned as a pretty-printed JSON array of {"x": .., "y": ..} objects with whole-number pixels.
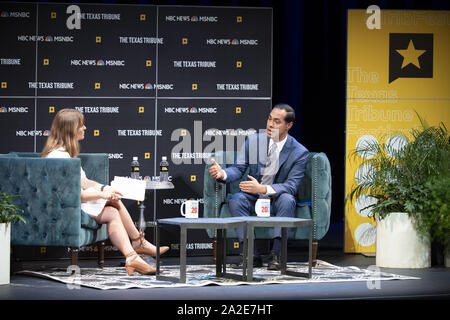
[
  {"x": 435, "y": 219},
  {"x": 8, "y": 214},
  {"x": 407, "y": 177}
]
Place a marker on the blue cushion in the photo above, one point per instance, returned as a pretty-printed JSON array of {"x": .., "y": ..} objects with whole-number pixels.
[{"x": 7, "y": 155}]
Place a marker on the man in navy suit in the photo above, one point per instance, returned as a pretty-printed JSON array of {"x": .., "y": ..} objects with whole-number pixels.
[{"x": 276, "y": 174}]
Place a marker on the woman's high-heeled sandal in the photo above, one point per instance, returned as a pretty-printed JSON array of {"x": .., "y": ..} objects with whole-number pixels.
[
  {"x": 142, "y": 249},
  {"x": 141, "y": 267}
]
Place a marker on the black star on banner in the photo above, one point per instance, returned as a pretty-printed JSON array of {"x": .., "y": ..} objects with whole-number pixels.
[{"x": 410, "y": 55}]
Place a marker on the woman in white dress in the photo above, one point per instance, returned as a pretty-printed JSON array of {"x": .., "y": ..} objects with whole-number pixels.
[{"x": 63, "y": 142}]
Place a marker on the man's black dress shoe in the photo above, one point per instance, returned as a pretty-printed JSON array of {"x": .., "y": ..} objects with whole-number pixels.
[
  {"x": 257, "y": 262},
  {"x": 274, "y": 263}
]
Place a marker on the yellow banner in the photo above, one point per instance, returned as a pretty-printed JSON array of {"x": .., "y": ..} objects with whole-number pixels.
[{"x": 392, "y": 72}]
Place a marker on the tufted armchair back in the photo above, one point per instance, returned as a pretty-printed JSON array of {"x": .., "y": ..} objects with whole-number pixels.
[
  {"x": 49, "y": 193},
  {"x": 313, "y": 197}
]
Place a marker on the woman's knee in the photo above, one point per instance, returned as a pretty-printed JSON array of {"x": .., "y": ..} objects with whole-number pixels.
[
  {"x": 108, "y": 214},
  {"x": 115, "y": 204}
]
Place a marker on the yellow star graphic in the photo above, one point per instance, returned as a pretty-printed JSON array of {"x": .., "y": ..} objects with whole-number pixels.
[{"x": 411, "y": 55}]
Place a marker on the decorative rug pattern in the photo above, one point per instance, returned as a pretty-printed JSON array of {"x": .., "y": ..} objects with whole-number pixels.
[{"x": 203, "y": 275}]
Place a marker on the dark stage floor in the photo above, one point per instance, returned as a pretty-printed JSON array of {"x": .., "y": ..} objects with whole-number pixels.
[{"x": 434, "y": 283}]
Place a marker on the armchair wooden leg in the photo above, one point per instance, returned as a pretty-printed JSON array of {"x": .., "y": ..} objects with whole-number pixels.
[
  {"x": 315, "y": 245},
  {"x": 101, "y": 254},
  {"x": 214, "y": 249},
  {"x": 74, "y": 255}
]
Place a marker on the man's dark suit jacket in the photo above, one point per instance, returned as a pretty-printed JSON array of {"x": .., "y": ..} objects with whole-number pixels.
[{"x": 292, "y": 163}]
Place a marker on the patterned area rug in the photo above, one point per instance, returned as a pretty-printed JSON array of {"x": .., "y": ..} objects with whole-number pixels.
[{"x": 203, "y": 275}]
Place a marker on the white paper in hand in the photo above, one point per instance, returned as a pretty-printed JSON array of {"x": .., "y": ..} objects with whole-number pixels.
[{"x": 132, "y": 189}]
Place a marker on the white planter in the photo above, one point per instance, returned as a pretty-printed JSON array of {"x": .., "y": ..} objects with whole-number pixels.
[
  {"x": 5, "y": 250},
  {"x": 399, "y": 245}
]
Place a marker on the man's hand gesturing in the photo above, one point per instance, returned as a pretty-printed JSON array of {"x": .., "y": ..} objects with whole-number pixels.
[{"x": 215, "y": 170}]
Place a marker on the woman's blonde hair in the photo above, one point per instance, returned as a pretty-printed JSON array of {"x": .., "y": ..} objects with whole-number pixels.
[{"x": 64, "y": 132}]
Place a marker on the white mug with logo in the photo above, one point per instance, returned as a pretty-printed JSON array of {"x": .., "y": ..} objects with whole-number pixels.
[
  {"x": 191, "y": 209},
  {"x": 262, "y": 208}
]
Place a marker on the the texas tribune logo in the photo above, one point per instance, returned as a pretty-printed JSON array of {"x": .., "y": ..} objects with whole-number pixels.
[{"x": 410, "y": 55}]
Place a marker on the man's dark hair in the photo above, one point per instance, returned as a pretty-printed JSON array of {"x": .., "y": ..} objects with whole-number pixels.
[{"x": 290, "y": 113}]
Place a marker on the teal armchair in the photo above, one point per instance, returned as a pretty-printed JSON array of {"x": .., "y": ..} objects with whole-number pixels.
[
  {"x": 313, "y": 198},
  {"x": 49, "y": 194}
]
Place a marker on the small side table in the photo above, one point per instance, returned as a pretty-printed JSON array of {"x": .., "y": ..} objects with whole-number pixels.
[
  {"x": 152, "y": 185},
  {"x": 221, "y": 224}
]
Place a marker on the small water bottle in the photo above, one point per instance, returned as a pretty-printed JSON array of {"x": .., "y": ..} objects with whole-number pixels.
[
  {"x": 135, "y": 168},
  {"x": 164, "y": 170}
]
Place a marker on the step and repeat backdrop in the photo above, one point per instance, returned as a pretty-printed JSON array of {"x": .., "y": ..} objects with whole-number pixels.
[
  {"x": 152, "y": 81},
  {"x": 392, "y": 72}
]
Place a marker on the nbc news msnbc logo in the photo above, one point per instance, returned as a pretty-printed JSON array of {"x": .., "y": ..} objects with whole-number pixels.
[{"x": 13, "y": 109}]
